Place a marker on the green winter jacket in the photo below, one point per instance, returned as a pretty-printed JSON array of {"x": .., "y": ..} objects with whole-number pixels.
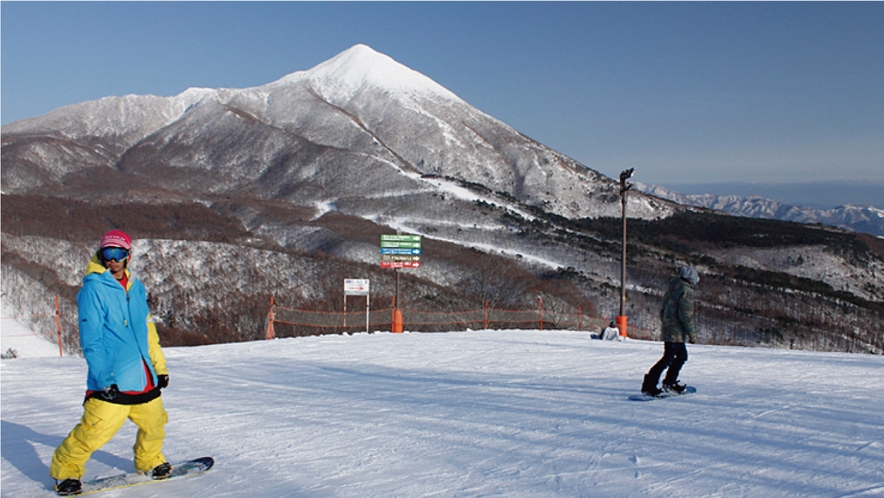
[{"x": 677, "y": 312}]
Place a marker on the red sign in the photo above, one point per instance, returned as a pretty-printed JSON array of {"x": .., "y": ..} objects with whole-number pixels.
[{"x": 400, "y": 264}]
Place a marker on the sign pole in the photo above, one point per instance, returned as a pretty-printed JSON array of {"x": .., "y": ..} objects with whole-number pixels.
[
  {"x": 400, "y": 251},
  {"x": 621, "y": 319}
]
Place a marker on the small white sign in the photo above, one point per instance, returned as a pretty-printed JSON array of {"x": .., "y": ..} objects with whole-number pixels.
[{"x": 356, "y": 287}]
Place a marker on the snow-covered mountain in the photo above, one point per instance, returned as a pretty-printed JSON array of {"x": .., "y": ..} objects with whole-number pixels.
[
  {"x": 237, "y": 195},
  {"x": 868, "y": 219},
  {"x": 357, "y": 124}
]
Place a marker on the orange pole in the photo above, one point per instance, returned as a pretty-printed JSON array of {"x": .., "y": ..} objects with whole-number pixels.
[
  {"x": 579, "y": 319},
  {"x": 540, "y": 302},
  {"x": 58, "y": 325},
  {"x": 396, "y": 326},
  {"x": 486, "y": 314},
  {"x": 622, "y": 324},
  {"x": 271, "y": 333}
]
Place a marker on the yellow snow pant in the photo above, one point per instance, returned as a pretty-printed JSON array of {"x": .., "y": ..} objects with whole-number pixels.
[{"x": 101, "y": 420}]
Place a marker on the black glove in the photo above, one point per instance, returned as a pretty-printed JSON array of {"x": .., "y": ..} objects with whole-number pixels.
[
  {"x": 110, "y": 392},
  {"x": 163, "y": 381},
  {"x": 692, "y": 340}
]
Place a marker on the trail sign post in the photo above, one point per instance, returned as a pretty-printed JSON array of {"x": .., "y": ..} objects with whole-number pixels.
[
  {"x": 400, "y": 251},
  {"x": 357, "y": 287}
]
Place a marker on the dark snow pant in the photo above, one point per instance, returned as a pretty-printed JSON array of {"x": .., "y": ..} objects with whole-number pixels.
[{"x": 675, "y": 354}]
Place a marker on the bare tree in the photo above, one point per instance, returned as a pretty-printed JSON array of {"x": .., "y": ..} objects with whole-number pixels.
[{"x": 497, "y": 281}]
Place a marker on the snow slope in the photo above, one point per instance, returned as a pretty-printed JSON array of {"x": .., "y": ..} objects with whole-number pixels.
[
  {"x": 478, "y": 413},
  {"x": 19, "y": 337}
]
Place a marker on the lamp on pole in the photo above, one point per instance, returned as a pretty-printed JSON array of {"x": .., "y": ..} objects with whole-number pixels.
[{"x": 622, "y": 321}]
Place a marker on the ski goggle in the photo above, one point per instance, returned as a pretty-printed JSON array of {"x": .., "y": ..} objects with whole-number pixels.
[{"x": 113, "y": 254}]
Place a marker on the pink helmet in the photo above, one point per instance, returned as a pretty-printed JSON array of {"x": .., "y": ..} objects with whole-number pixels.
[{"x": 116, "y": 238}]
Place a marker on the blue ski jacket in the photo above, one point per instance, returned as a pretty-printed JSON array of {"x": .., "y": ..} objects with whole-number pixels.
[{"x": 117, "y": 334}]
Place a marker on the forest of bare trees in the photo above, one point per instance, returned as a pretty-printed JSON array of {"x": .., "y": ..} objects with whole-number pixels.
[{"x": 211, "y": 279}]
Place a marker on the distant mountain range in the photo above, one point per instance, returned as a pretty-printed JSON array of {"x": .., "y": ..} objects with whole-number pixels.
[
  {"x": 867, "y": 219},
  {"x": 815, "y": 194}
]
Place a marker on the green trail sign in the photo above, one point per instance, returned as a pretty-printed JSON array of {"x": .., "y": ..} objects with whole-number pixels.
[{"x": 401, "y": 241}]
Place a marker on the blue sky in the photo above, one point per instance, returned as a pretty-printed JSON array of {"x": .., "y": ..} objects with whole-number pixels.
[{"x": 684, "y": 93}]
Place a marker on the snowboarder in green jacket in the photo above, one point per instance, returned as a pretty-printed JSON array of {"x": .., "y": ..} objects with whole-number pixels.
[{"x": 677, "y": 315}]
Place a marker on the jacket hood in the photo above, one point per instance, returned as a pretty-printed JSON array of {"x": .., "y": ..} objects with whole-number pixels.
[
  {"x": 677, "y": 283},
  {"x": 689, "y": 273}
]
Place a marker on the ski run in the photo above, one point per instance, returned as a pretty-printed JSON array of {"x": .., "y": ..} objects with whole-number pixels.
[{"x": 515, "y": 413}]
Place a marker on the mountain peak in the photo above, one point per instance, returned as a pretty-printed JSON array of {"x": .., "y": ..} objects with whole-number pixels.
[{"x": 360, "y": 67}]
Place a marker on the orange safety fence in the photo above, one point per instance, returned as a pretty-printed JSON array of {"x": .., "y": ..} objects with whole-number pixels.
[
  {"x": 298, "y": 322},
  {"x": 57, "y": 331},
  {"x": 330, "y": 319}
]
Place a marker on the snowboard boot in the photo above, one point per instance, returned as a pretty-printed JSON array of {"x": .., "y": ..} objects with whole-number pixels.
[
  {"x": 162, "y": 471},
  {"x": 650, "y": 388},
  {"x": 68, "y": 487},
  {"x": 674, "y": 388}
]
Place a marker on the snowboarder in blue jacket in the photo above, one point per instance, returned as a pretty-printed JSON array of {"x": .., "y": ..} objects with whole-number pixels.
[{"x": 126, "y": 368}]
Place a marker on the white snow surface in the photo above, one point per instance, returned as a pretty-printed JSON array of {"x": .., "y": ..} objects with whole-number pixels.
[{"x": 477, "y": 413}]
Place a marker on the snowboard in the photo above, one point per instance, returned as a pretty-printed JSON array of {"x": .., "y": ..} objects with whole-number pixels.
[
  {"x": 184, "y": 469},
  {"x": 663, "y": 395}
]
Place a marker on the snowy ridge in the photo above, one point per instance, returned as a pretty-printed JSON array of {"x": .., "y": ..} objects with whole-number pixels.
[
  {"x": 130, "y": 116},
  {"x": 481, "y": 413}
]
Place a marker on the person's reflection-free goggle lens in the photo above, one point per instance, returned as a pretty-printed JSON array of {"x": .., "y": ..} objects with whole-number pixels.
[{"x": 113, "y": 253}]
